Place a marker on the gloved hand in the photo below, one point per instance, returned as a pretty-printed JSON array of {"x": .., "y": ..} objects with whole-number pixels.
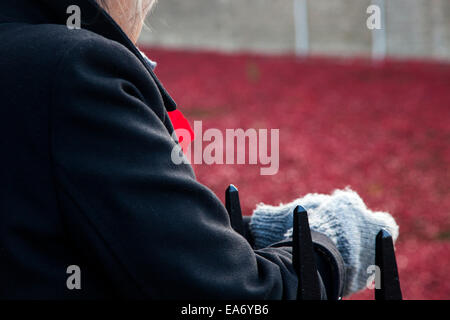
[{"x": 342, "y": 216}]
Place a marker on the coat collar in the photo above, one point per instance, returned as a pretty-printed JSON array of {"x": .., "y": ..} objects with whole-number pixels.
[{"x": 93, "y": 18}]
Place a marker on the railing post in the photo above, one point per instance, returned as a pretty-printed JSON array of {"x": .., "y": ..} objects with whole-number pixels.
[{"x": 301, "y": 27}]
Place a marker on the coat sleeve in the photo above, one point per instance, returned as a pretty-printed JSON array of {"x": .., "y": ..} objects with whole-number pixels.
[{"x": 154, "y": 231}]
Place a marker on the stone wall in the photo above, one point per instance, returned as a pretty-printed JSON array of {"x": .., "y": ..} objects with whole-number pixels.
[{"x": 414, "y": 28}]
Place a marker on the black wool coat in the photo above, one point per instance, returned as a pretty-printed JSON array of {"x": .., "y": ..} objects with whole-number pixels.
[{"x": 87, "y": 177}]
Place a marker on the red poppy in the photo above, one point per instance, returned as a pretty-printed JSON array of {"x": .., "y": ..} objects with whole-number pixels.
[{"x": 179, "y": 121}]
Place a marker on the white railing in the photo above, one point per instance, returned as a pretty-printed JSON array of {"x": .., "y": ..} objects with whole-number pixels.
[{"x": 302, "y": 44}]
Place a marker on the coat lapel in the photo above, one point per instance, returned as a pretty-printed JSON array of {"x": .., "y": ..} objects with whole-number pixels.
[{"x": 95, "y": 19}]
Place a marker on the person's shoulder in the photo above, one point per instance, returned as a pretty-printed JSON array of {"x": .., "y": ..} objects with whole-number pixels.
[
  {"x": 49, "y": 44},
  {"x": 60, "y": 60}
]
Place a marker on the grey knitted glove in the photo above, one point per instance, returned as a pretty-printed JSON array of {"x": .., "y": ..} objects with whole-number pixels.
[{"x": 342, "y": 216}]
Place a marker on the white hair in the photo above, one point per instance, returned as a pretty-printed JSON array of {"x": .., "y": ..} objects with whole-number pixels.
[{"x": 141, "y": 7}]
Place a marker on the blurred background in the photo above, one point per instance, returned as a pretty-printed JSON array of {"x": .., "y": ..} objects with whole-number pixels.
[{"x": 368, "y": 109}]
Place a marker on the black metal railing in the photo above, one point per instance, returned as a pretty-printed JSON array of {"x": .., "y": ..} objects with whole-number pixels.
[{"x": 303, "y": 259}]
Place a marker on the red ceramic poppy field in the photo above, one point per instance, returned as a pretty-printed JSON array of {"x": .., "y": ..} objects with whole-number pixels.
[{"x": 382, "y": 129}]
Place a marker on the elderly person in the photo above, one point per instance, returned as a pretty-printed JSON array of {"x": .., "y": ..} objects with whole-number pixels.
[{"x": 91, "y": 205}]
